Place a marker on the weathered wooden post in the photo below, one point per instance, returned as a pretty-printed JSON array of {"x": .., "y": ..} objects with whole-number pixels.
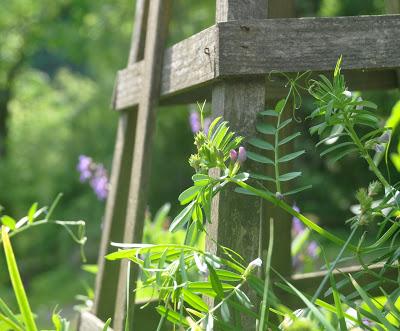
[{"x": 228, "y": 63}]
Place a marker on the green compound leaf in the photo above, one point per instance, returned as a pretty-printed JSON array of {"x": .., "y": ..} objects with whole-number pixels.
[
  {"x": 31, "y": 213},
  {"x": 289, "y": 138},
  {"x": 259, "y": 158},
  {"x": 8, "y": 221},
  {"x": 269, "y": 112},
  {"x": 215, "y": 281},
  {"x": 189, "y": 194},
  {"x": 259, "y": 143},
  {"x": 182, "y": 218},
  {"x": 262, "y": 177},
  {"x": 194, "y": 300},
  {"x": 289, "y": 176},
  {"x": 172, "y": 316},
  {"x": 335, "y": 147},
  {"x": 266, "y": 128},
  {"x": 291, "y": 156}
]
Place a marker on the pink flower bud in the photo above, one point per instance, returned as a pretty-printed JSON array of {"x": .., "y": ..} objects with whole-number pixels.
[
  {"x": 242, "y": 155},
  {"x": 233, "y": 155}
]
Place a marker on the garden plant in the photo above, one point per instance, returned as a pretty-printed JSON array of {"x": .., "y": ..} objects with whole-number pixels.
[{"x": 198, "y": 290}]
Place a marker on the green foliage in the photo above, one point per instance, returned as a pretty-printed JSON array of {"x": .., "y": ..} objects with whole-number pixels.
[
  {"x": 213, "y": 153},
  {"x": 275, "y": 130},
  {"x": 173, "y": 270}
]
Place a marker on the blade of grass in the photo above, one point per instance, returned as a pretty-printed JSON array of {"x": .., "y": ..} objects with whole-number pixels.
[
  {"x": 336, "y": 296},
  {"x": 264, "y": 305},
  {"x": 107, "y": 324},
  {"x": 10, "y": 323},
  {"x": 8, "y": 313},
  {"x": 377, "y": 313},
  {"x": 313, "y": 309},
  {"x": 16, "y": 282}
]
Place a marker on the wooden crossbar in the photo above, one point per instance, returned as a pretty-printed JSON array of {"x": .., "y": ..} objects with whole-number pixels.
[{"x": 257, "y": 47}]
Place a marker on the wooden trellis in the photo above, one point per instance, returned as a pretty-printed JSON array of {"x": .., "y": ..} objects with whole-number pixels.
[{"x": 227, "y": 63}]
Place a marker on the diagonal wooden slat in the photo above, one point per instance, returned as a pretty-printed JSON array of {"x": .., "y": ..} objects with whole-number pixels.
[
  {"x": 117, "y": 201},
  {"x": 157, "y": 27}
]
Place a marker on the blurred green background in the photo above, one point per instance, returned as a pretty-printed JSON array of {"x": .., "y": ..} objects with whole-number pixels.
[{"x": 58, "y": 60}]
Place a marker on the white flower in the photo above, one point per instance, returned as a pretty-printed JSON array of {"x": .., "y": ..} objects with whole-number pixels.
[
  {"x": 347, "y": 93},
  {"x": 200, "y": 264},
  {"x": 255, "y": 263},
  {"x": 359, "y": 107}
]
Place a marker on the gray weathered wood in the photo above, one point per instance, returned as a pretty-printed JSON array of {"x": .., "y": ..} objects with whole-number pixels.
[
  {"x": 89, "y": 322},
  {"x": 187, "y": 64},
  {"x": 129, "y": 89},
  {"x": 393, "y": 7},
  {"x": 117, "y": 201},
  {"x": 139, "y": 32},
  {"x": 291, "y": 45},
  {"x": 237, "y": 221},
  {"x": 157, "y": 27},
  {"x": 288, "y": 45}
]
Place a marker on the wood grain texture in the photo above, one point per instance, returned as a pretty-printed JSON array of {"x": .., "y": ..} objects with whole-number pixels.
[
  {"x": 393, "y": 7},
  {"x": 117, "y": 200},
  {"x": 129, "y": 97},
  {"x": 89, "y": 322},
  {"x": 289, "y": 45},
  {"x": 235, "y": 219},
  {"x": 187, "y": 64},
  {"x": 157, "y": 27},
  {"x": 257, "y": 47},
  {"x": 231, "y": 10}
]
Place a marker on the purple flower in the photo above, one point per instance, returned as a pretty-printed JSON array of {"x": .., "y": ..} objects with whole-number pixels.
[
  {"x": 99, "y": 182},
  {"x": 84, "y": 167},
  {"x": 233, "y": 155},
  {"x": 297, "y": 225},
  {"x": 242, "y": 155},
  {"x": 194, "y": 120},
  {"x": 384, "y": 138},
  {"x": 312, "y": 249},
  {"x": 379, "y": 148},
  {"x": 95, "y": 173}
]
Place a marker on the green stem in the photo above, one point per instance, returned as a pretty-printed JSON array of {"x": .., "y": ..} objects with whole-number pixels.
[
  {"x": 333, "y": 265},
  {"x": 276, "y": 153},
  {"x": 276, "y": 143},
  {"x": 365, "y": 154},
  {"x": 264, "y": 305},
  {"x": 17, "y": 284},
  {"x": 310, "y": 224}
]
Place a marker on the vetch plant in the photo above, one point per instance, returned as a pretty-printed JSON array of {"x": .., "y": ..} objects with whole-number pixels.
[{"x": 198, "y": 290}]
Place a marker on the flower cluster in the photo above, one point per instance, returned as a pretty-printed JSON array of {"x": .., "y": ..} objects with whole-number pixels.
[
  {"x": 95, "y": 174},
  {"x": 239, "y": 156},
  {"x": 195, "y": 122}
]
